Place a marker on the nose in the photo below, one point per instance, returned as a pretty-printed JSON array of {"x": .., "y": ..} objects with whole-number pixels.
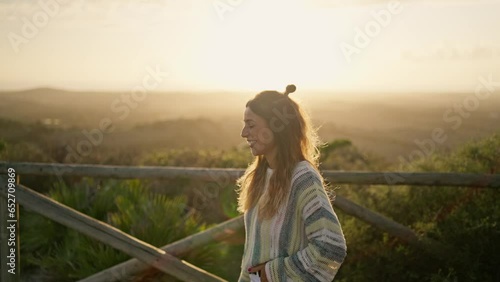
[{"x": 244, "y": 132}]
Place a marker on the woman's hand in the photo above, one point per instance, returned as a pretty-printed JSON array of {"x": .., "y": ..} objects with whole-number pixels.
[{"x": 261, "y": 269}]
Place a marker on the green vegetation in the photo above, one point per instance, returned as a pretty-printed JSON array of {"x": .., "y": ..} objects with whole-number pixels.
[
  {"x": 466, "y": 219},
  {"x": 382, "y": 123},
  {"x": 159, "y": 212},
  {"x": 61, "y": 254}
]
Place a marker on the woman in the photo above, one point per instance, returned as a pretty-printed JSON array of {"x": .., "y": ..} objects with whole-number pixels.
[{"x": 292, "y": 232}]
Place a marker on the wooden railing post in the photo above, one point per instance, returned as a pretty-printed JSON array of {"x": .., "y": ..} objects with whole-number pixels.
[
  {"x": 132, "y": 267},
  {"x": 9, "y": 233},
  {"x": 164, "y": 259},
  {"x": 406, "y": 234},
  {"x": 111, "y": 236}
]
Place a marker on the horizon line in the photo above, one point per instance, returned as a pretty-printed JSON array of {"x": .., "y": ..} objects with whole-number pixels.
[{"x": 198, "y": 91}]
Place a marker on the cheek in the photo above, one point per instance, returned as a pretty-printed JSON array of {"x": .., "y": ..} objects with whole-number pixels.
[{"x": 265, "y": 136}]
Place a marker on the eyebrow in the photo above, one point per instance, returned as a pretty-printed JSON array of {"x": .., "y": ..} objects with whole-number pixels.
[{"x": 248, "y": 120}]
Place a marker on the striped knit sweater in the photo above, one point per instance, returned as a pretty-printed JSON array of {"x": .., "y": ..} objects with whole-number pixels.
[{"x": 303, "y": 241}]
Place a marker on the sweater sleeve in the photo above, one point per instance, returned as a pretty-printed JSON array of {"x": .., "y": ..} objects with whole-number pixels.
[{"x": 326, "y": 248}]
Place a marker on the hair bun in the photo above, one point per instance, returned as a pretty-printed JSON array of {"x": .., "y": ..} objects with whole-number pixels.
[{"x": 290, "y": 89}]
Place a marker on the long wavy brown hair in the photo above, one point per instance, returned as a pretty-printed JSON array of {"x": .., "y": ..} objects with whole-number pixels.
[{"x": 296, "y": 140}]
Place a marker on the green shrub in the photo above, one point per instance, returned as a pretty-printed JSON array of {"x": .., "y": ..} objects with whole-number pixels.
[
  {"x": 231, "y": 158},
  {"x": 61, "y": 254},
  {"x": 465, "y": 218}
]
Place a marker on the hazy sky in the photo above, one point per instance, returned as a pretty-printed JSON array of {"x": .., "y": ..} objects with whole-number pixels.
[{"x": 250, "y": 44}]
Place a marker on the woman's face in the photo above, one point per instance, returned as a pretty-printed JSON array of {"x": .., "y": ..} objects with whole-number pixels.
[{"x": 256, "y": 131}]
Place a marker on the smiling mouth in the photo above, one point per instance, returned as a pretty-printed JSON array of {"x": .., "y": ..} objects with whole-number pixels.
[{"x": 251, "y": 143}]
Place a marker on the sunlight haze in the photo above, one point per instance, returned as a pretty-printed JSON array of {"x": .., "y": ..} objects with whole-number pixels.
[{"x": 252, "y": 45}]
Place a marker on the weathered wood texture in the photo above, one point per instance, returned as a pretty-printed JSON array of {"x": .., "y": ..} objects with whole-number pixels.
[
  {"x": 393, "y": 228},
  {"x": 226, "y": 229},
  {"x": 147, "y": 256},
  {"x": 228, "y": 175},
  {"x": 110, "y": 235},
  {"x": 132, "y": 267}
]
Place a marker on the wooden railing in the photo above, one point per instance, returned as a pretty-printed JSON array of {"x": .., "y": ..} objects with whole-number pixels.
[{"x": 165, "y": 258}]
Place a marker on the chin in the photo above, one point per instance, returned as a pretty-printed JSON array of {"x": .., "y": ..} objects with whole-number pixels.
[{"x": 255, "y": 152}]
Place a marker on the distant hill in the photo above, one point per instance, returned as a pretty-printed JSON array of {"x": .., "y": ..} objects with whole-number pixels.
[
  {"x": 387, "y": 125},
  {"x": 83, "y": 109}
]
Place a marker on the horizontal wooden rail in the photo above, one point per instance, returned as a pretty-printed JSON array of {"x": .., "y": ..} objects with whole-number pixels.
[
  {"x": 132, "y": 267},
  {"x": 228, "y": 175},
  {"x": 109, "y": 235},
  {"x": 224, "y": 230}
]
